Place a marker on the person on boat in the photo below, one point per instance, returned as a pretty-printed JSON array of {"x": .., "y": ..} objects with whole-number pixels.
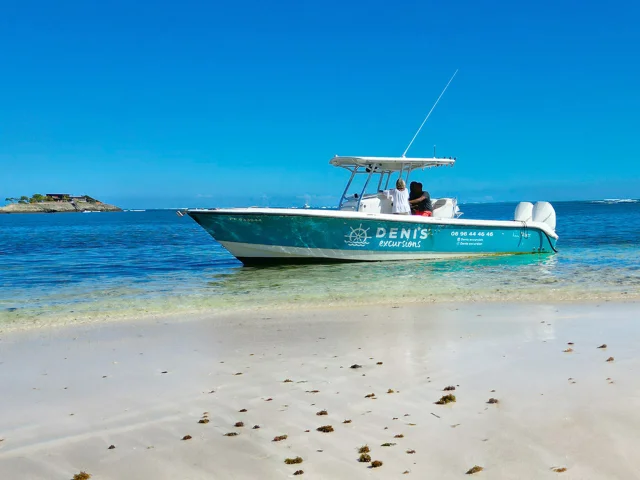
[
  {"x": 400, "y": 198},
  {"x": 420, "y": 200}
]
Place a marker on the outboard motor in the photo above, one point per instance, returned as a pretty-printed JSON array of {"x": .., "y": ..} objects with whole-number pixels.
[
  {"x": 543, "y": 212},
  {"x": 524, "y": 212}
]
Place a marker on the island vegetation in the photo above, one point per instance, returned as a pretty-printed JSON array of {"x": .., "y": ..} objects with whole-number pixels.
[
  {"x": 40, "y": 198},
  {"x": 55, "y": 203}
]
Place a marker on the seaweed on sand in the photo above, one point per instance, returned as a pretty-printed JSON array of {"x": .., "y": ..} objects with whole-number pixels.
[
  {"x": 474, "y": 469},
  {"x": 364, "y": 458},
  {"x": 376, "y": 464},
  {"x": 293, "y": 461},
  {"x": 364, "y": 449},
  {"x": 82, "y": 476},
  {"x": 446, "y": 399},
  {"x": 325, "y": 429}
]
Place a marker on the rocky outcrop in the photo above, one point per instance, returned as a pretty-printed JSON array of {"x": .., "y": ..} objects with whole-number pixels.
[{"x": 59, "y": 207}]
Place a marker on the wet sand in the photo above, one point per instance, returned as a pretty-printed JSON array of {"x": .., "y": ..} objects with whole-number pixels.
[{"x": 69, "y": 393}]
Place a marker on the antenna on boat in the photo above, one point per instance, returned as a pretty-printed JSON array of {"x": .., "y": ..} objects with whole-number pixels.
[{"x": 428, "y": 114}]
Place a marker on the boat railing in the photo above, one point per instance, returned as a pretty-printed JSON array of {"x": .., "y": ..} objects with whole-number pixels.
[{"x": 370, "y": 170}]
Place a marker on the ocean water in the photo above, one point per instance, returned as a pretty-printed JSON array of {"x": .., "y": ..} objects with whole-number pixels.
[{"x": 88, "y": 267}]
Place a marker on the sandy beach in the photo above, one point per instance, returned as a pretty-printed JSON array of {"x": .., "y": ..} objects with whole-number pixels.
[{"x": 70, "y": 393}]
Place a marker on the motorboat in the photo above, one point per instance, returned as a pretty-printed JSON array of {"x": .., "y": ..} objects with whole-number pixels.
[{"x": 363, "y": 227}]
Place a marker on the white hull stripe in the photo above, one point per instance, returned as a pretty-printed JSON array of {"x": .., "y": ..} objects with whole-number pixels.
[{"x": 250, "y": 250}]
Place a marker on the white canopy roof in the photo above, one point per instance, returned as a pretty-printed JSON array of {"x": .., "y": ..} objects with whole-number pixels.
[{"x": 392, "y": 164}]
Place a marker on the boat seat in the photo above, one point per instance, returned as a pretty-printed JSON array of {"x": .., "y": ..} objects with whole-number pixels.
[{"x": 441, "y": 202}]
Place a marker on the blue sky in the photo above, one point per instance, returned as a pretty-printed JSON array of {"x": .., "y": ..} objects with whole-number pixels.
[{"x": 171, "y": 104}]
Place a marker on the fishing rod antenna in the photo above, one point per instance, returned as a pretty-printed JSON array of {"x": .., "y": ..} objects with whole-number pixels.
[{"x": 428, "y": 114}]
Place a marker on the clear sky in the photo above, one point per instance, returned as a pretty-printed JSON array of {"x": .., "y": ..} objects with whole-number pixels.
[{"x": 205, "y": 103}]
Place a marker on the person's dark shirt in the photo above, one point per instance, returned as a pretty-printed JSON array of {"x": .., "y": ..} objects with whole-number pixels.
[{"x": 424, "y": 205}]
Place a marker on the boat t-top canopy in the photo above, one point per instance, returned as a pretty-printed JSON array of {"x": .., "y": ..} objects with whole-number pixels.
[
  {"x": 390, "y": 164},
  {"x": 383, "y": 167}
]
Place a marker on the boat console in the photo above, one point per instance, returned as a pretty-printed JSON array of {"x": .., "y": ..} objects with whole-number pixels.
[{"x": 379, "y": 203}]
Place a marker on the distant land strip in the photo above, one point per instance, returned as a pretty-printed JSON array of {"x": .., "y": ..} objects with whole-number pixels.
[{"x": 56, "y": 203}]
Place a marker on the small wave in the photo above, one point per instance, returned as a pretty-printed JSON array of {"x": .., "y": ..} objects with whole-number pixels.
[{"x": 610, "y": 201}]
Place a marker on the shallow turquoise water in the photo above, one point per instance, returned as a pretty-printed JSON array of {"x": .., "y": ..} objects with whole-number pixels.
[{"x": 89, "y": 266}]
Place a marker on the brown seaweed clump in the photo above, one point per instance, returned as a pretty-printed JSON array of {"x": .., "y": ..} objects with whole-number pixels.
[
  {"x": 410, "y": 452},
  {"x": 604, "y": 345},
  {"x": 298, "y": 472},
  {"x": 239, "y": 424},
  {"x": 493, "y": 400},
  {"x": 187, "y": 437},
  {"x": 391, "y": 391},
  {"x": 568, "y": 350},
  {"x": 355, "y": 365},
  {"x": 231, "y": 434},
  {"x": 371, "y": 395},
  {"x": 325, "y": 429},
  {"x": 288, "y": 380},
  {"x": 364, "y": 458},
  {"x": 398, "y": 436},
  {"x": 279, "y": 438},
  {"x": 387, "y": 444},
  {"x": 610, "y": 359},
  {"x": 449, "y": 388},
  {"x": 322, "y": 412},
  {"x": 347, "y": 421},
  {"x": 376, "y": 464},
  {"x": 255, "y": 427},
  {"x": 379, "y": 363},
  {"x": 559, "y": 469},
  {"x": 364, "y": 449},
  {"x": 203, "y": 420},
  {"x": 474, "y": 469},
  {"x": 82, "y": 476},
  {"x": 111, "y": 447},
  {"x": 293, "y": 461},
  {"x": 446, "y": 399},
  {"x": 243, "y": 410}
]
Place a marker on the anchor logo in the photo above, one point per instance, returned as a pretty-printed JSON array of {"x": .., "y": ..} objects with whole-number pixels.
[{"x": 358, "y": 237}]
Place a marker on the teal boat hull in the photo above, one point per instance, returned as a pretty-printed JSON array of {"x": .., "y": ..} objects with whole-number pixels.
[{"x": 278, "y": 236}]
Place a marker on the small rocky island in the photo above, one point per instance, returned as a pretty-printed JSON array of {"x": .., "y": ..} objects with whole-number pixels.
[{"x": 56, "y": 203}]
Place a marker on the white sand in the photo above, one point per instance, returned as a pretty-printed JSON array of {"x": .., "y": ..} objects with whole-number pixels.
[{"x": 58, "y": 414}]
